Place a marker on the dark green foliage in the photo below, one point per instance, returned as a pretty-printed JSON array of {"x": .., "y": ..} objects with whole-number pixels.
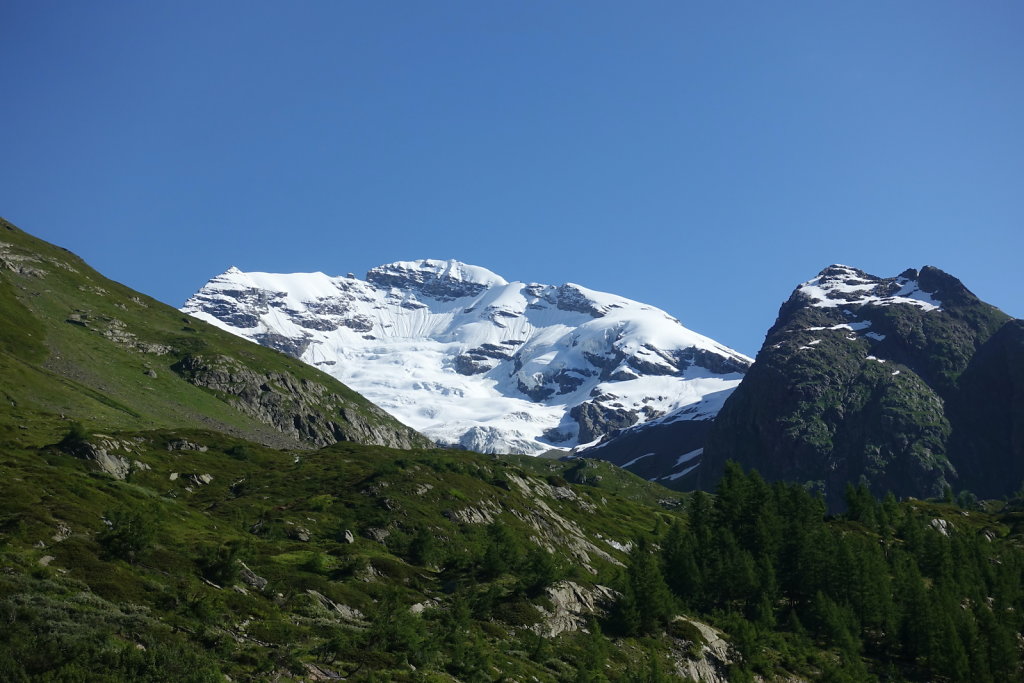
[
  {"x": 52, "y": 634},
  {"x": 128, "y": 534},
  {"x": 502, "y": 551},
  {"x": 540, "y": 569},
  {"x": 239, "y": 452},
  {"x": 219, "y": 563},
  {"x": 646, "y": 604},
  {"x": 76, "y": 437},
  {"x": 881, "y": 583},
  {"x": 687, "y": 631},
  {"x": 423, "y": 548},
  {"x": 879, "y": 592},
  {"x": 591, "y": 667}
]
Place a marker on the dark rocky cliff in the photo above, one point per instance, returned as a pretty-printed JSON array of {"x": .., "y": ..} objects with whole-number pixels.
[{"x": 910, "y": 383}]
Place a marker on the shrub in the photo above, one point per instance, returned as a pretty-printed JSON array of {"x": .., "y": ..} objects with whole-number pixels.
[
  {"x": 239, "y": 452},
  {"x": 129, "y": 533},
  {"x": 76, "y": 438},
  {"x": 556, "y": 480},
  {"x": 219, "y": 564},
  {"x": 518, "y": 613}
]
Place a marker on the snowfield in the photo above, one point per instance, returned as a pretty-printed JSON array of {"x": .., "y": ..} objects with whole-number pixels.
[{"x": 470, "y": 359}]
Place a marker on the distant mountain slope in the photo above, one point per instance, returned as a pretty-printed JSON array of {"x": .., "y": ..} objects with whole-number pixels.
[
  {"x": 76, "y": 344},
  {"x": 908, "y": 383},
  {"x": 473, "y": 360}
]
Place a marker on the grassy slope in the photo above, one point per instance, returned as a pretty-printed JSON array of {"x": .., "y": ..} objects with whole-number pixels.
[
  {"x": 260, "y": 499},
  {"x": 52, "y": 366}
]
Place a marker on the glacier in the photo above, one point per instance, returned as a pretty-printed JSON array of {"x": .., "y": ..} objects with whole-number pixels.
[{"x": 475, "y": 361}]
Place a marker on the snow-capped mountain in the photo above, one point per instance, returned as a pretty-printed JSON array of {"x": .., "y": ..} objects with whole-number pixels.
[{"x": 468, "y": 358}]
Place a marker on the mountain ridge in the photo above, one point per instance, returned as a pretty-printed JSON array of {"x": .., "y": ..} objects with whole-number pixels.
[
  {"x": 859, "y": 380},
  {"x": 79, "y": 345}
]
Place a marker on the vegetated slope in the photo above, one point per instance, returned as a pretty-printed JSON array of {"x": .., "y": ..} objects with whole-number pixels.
[
  {"x": 474, "y": 361},
  {"x": 220, "y": 556},
  {"x": 910, "y": 384},
  {"x": 912, "y": 591},
  {"x": 76, "y": 344},
  {"x": 216, "y": 556}
]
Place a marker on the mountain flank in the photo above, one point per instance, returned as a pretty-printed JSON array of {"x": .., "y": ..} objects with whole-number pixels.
[
  {"x": 909, "y": 384},
  {"x": 78, "y": 345}
]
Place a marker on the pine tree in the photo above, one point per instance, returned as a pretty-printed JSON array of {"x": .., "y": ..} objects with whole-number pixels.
[
  {"x": 646, "y": 603},
  {"x": 590, "y": 667}
]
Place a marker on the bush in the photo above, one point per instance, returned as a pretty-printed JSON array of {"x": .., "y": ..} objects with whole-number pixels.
[
  {"x": 557, "y": 481},
  {"x": 219, "y": 564},
  {"x": 685, "y": 630},
  {"x": 518, "y": 613},
  {"x": 129, "y": 533},
  {"x": 239, "y": 452},
  {"x": 76, "y": 438}
]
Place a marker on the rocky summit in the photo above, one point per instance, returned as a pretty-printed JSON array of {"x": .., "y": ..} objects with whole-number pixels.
[
  {"x": 473, "y": 360},
  {"x": 909, "y": 384}
]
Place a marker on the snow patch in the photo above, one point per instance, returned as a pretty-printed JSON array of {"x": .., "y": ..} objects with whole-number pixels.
[
  {"x": 840, "y": 285},
  {"x": 687, "y": 457},
  {"x": 677, "y": 475},
  {"x": 635, "y": 460}
]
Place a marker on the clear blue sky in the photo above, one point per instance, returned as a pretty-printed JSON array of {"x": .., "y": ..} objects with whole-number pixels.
[{"x": 704, "y": 157}]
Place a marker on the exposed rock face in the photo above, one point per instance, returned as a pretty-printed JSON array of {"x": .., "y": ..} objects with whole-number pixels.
[
  {"x": 116, "y": 331},
  {"x": 571, "y": 606},
  {"x": 443, "y": 281},
  {"x": 250, "y": 578},
  {"x": 293, "y": 346},
  {"x": 185, "y": 445},
  {"x": 344, "y": 612},
  {"x": 300, "y": 408},
  {"x": 110, "y": 455},
  {"x": 478, "y": 362},
  {"x": 712, "y": 663},
  {"x": 18, "y": 262},
  {"x": 595, "y": 419},
  {"x": 868, "y": 378},
  {"x": 475, "y": 514}
]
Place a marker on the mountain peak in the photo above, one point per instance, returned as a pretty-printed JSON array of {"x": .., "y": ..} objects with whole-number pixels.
[
  {"x": 440, "y": 279},
  {"x": 840, "y": 285},
  {"x": 470, "y": 358}
]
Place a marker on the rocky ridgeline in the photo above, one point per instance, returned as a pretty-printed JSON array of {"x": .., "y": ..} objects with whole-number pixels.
[
  {"x": 302, "y": 409},
  {"x": 891, "y": 381}
]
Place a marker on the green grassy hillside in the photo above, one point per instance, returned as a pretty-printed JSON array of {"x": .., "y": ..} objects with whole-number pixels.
[
  {"x": 130, "y": 576},
  {"x": 76, "y": 344}
]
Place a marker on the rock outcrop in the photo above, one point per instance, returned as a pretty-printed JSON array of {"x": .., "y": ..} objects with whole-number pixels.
[
  {"x": 303, "y": 409},
  {"x": 572, "y": 605}
]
